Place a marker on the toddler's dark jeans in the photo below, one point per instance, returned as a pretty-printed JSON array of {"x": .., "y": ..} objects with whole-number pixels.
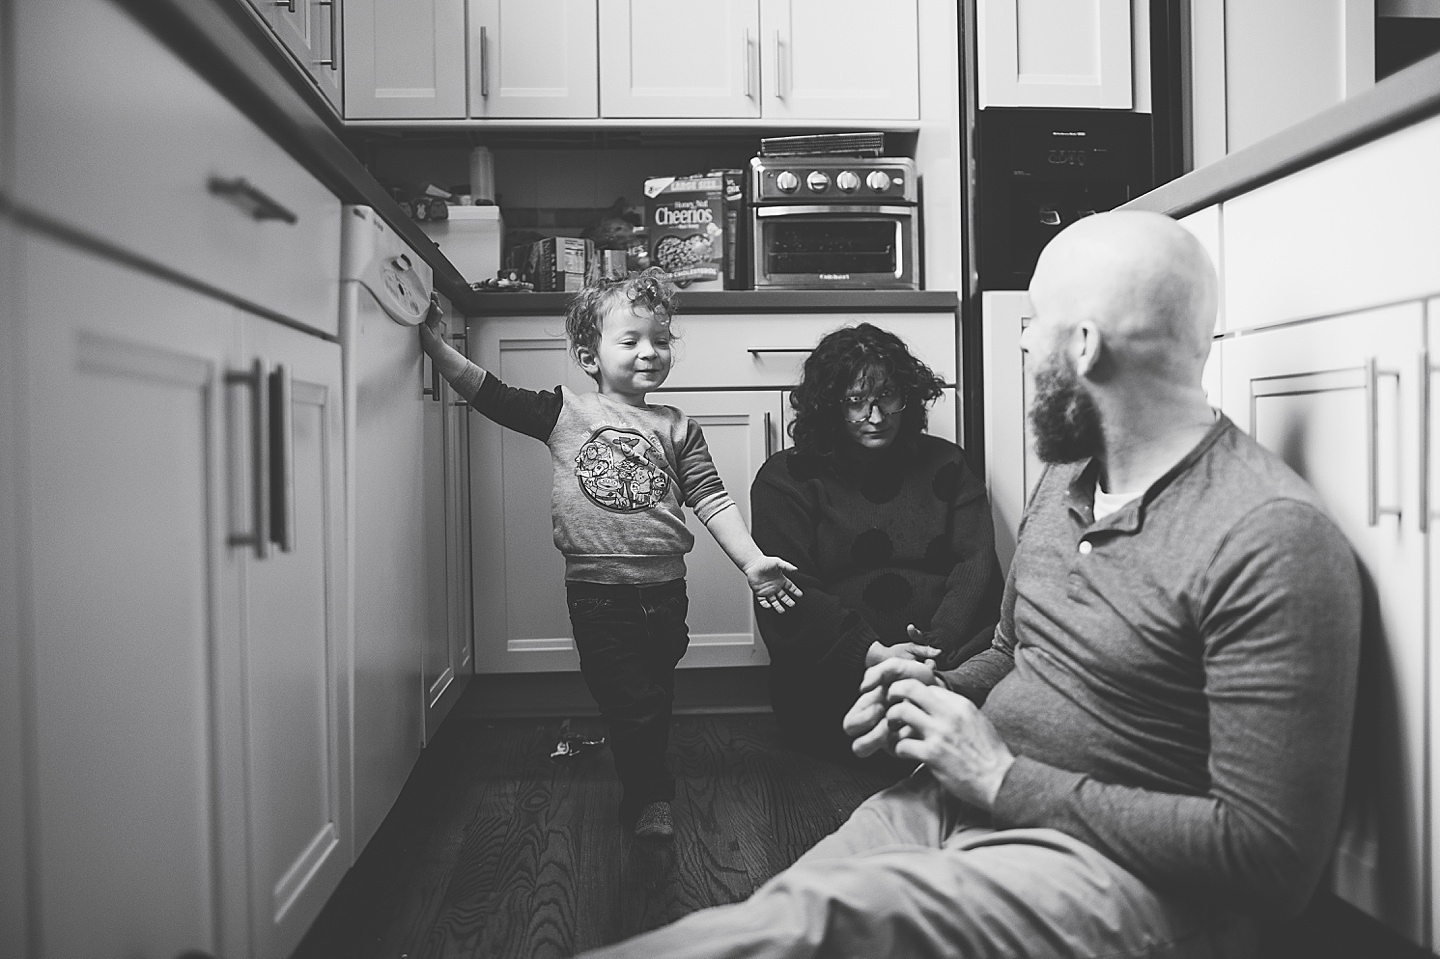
[{"x": 629, "y": 639}]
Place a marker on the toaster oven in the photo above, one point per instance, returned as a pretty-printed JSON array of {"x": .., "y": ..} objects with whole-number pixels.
[{"x": 829, "y": 222}]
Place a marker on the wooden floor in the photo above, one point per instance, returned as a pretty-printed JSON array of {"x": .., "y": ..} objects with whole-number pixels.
[{"x": 496, "y": 850}]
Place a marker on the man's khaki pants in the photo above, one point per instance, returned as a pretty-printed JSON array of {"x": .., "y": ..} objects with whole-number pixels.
[{"x": 912, "y": 874}]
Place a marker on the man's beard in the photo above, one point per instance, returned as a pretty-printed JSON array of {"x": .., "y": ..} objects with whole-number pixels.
[{"x": 1065, "y": 420}]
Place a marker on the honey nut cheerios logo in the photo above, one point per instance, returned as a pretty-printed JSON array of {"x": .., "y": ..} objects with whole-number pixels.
[{"x": 614, "y": 472}]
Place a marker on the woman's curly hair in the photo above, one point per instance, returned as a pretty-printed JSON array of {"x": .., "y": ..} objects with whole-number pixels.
[
  {"x": 647, "y": 289},
  {"x": 871, "y": 355}
]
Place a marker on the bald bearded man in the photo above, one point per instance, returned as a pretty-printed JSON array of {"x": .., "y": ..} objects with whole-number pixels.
[{"x": 1151, "y": 755}]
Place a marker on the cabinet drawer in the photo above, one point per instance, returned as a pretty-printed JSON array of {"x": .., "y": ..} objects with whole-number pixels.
[
  {"x": 123, "y": 142},
  {"x": 768, "y": 351}
]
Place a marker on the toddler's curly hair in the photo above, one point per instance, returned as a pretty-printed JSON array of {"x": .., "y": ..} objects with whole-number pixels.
[{"x": 646, "y": 289}]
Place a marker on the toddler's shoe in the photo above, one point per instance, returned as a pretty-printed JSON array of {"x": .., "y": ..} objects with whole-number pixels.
[{"x": 654, "y": 822}]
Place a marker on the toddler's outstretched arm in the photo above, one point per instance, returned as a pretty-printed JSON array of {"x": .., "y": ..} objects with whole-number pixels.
[{"x": 766, "y": 574}]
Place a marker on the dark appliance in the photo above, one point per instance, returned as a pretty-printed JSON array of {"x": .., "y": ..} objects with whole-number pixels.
[
  {"x": 834, "y": 223},
  {"x": 1038, "y": 171}
]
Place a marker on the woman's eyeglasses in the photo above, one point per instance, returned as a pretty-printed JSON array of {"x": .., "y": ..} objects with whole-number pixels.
[{"x": 858, "y": 409}]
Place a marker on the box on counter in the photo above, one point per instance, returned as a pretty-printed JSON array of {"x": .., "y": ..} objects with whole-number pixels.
[
  {"x": 470, "y": 238},
  {"x": 685, "y": 217},
  {"x": 737, "y": 246},
  {"x": 556, "y": 264}
]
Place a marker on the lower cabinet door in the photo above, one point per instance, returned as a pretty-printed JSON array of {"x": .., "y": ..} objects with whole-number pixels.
[
  {"x": 1337, "y": 400},
  {"x": 522, "y": 623},
  {"x": 742, "y": 428},
  {"x": 295, "y": 663},
  {"x": 130, "y": 827}
]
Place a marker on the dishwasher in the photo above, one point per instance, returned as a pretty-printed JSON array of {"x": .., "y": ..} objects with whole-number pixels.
[{"x": 384, "y": 296}]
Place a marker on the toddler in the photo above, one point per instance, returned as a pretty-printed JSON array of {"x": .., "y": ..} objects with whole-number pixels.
[{"x": 623, "y": 470}]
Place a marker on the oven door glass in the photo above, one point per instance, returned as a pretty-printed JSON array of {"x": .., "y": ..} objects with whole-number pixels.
[{"x": 820, "y": 250}]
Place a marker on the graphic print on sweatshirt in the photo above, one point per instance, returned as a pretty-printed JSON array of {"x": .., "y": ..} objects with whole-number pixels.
[{"x": 616, "y": 474}]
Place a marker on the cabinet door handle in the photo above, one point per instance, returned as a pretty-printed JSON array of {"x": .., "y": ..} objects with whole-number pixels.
[
  {"x": 432, "y": 378},
  {"x": 259, "y": 534},
  {"x": 251, "y": 199},
  {"x": 769, "y": 447},
  {"x": 484, "y": 64},
  {"x": 780, "y": 87},
  {"x": 282, "y": 459},
  {"x": 749, "y": 66},
  {"x": 290, "y": 4},
  {"x": 1372, "y": 442},
  {"x": 334, "y": 61},
  {"x": 757, "y": 350},
  {"x": 1424, "y": 507}
]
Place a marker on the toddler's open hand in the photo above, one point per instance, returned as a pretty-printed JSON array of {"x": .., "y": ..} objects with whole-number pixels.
[{"x": 772, "y": 588}]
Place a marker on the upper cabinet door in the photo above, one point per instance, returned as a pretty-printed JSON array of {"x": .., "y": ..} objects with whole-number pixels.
[
  {"x": 840, "y": 60},
  {"x": 311, "y": 31},
  {"x": 1054, "y": 53},
  {"x": 405, "y": 59},
  {"x": 533, "y": 58},
  {"x": 680, "y": 58}
]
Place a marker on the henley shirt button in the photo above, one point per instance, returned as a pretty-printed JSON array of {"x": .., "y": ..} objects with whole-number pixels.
[{"x": 1085, "y": 547}]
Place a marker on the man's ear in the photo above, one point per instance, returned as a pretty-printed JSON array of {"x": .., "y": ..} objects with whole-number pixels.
[{"x": 1087, "y": 348}]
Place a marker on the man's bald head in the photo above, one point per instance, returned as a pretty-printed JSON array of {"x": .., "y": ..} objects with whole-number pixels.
[{"x": 1143, "y": 280}]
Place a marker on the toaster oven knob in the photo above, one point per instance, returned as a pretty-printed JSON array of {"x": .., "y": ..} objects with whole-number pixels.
[
  {"x": 847, "y": 181},
  {"x": 817, "y": 182},
  {"x": 787, "y": 182},
  {"x": 878, "y": 180}
]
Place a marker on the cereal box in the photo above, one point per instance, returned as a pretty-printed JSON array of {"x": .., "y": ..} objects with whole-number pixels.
[
  {"x": 685, "y": 217},
  {"x": 555, "y": 264}
]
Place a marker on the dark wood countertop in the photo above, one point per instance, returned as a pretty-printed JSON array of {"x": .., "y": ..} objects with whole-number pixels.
[
  {"x": 224, "y": 43},
  {"x": 735, "y": 301},
  {"x": 1398, "y": 101}
]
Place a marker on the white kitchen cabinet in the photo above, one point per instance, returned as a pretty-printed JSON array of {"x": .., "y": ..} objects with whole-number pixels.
[
  {"x": 1428, "y": 516},
  {"x": 310, "y": 31},
  {"x": 1339, "y": 401},
  {"x": 776, "y": 59},
  {"x": 404, "y": 59},
  {"x": 1054, "y": 53},
  {"x": 533, "y": 59},
  {"x": 1011, "y": 467},
  {"x": 445, "y": 655},
  {"x": 124, "y": 490},
  {"x": 623, "y": 59},
  {"x": 1259, "y": 66},
  {"x": 742, "y": 428},
  {"x": 522, "y": 623},
  {"x": 131, "y": 147},
  {"x": 679, "y": 58},
  {"x": 189, "y": 697},
  {"x": 840, "y": 60},
  {"x": 295, "y": 671}
]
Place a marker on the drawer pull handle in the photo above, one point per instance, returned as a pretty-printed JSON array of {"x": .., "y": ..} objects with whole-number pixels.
[
  {"x": 289, "y": 4},
  {"x": 757, "y": 350},
  {"x": 251, "y": 199}
]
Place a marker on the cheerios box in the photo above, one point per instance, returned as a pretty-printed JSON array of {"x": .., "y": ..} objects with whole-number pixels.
[{"x": 685, "y": 217}]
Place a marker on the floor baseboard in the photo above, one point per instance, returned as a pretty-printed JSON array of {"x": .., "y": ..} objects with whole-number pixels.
[{"x": 702, "y": 691}]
